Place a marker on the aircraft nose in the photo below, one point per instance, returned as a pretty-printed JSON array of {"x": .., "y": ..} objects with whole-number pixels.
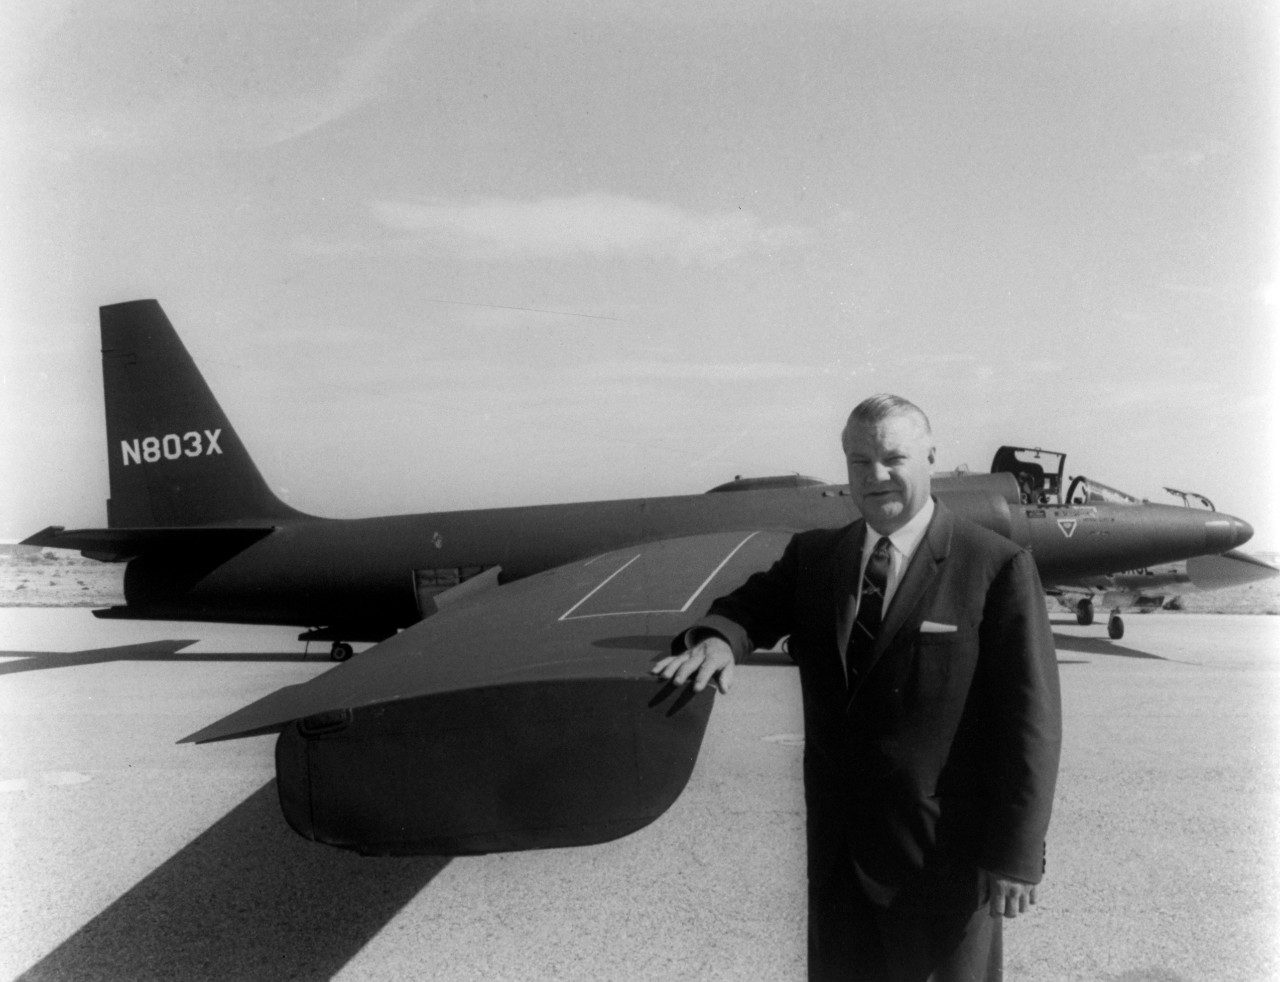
[{"x": 1223, "y": 532}]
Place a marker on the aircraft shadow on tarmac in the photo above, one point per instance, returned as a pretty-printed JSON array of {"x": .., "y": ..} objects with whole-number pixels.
[
  {"x": 1098, "y": 646},
  {"x": 31, "y": 661},
  {"x": 247, "y": 899}
]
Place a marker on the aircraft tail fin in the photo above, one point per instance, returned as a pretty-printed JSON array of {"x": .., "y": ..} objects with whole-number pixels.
[{"x": 174, "y": 459}]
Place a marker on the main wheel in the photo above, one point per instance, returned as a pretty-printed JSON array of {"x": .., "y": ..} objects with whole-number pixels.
[
  {"x": 1084, "y": 612},
  {"x": 341, "y": 651},
  {"x": 1115, "y": 627}
]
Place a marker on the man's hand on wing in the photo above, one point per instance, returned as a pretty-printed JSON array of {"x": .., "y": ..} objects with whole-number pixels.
[
  {"x": 710, "y": 659},
  {"x": 1008, "y": 897}
]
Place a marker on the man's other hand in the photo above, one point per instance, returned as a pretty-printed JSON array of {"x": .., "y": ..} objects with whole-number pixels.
[
  {"x": 709, "y": 659},
  {"x": 1006, "y": 897}
]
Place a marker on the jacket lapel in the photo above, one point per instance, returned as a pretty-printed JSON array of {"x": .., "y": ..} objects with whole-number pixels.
[{"x": 844, "y": 583}]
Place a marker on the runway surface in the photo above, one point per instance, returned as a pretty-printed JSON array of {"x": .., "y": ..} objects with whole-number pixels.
[{"x": 126, "y": 856}]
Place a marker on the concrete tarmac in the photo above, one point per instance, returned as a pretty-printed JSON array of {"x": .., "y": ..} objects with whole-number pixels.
[{"x": 127, "y": 856}]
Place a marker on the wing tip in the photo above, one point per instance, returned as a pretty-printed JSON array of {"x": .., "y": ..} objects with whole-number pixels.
[{"x": 217, "y": 733}]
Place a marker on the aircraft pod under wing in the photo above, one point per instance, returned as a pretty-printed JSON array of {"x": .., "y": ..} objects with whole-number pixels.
[{"x": 528, "y": 720}]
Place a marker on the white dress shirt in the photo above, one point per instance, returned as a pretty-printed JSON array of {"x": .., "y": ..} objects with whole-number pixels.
[{"x": 902, "y": 546}]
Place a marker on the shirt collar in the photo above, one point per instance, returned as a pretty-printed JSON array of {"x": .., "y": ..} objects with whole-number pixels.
[{"x": 907, "y": 538}]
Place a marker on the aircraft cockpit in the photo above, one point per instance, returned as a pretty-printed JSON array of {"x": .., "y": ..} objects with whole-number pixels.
[
  {"x": 1084, "y": 490},
  {"x": 1041, "y": 481},
  {"x": 1038, "y": 472},
  {"x": 1192, "y": 499}
]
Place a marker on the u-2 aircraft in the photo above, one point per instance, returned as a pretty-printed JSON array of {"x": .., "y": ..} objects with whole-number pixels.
[{"x": 507, "y": 703}]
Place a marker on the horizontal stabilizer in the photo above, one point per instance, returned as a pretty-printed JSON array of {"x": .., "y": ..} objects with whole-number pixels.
[{"x": 120, "y": 545}]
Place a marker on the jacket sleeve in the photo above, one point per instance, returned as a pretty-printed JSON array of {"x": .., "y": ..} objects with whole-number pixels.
[
  {"x": 1021, "y": 675},
  {"x": 756, "y": 614}
]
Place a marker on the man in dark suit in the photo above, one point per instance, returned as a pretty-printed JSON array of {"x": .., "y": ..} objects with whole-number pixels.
[{"x": 931, "y": 708}]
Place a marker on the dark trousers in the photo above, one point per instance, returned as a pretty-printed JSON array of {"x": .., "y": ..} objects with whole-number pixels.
[{"x": 936, "y": 929}]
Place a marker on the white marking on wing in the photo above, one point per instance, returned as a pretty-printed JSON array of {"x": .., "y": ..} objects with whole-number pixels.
[
  {"x": 724, "y": 562},
  {"x": 598, "y": 587},
  {"x": 671, "y": 610}
]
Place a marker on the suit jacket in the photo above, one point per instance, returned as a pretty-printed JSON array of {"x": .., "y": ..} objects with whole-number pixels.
[{"x": 943, "y": 753}]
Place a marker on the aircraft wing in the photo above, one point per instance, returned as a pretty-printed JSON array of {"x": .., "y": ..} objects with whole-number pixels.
[
  {"x": 521, "y": 717},
  {"x": 1199, "y": 573},
  {"x": 1151, "y": 588},
  {"x": 1231, "y": 568}
]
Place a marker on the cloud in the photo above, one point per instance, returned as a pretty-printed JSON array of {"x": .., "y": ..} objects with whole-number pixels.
[
  {"x": 585, "y": 225},
  {"x": 719, "y": 372},
  {"x": 359, "y": 77},
  {"x": 468, "y": 373},
  {"x": 149, "y": 75},
  {"x": 1197, "y": 161}
]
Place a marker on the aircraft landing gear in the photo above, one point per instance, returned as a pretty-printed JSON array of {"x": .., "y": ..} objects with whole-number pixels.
[
  {"x": 341, "y": 651},
  {"x": 1084, "y": 612},
  {"x": 1115, "y": 626}
]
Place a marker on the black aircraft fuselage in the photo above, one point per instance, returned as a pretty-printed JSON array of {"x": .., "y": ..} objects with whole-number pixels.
[
  {"x": 206, "y": 540},
  {"x": 364, "y": 578}
]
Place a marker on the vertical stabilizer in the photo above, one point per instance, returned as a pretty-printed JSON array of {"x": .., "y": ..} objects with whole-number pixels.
[{"x": 174, "y": 459}]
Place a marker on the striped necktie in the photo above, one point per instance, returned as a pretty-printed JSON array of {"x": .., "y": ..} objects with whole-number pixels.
[{"x": 866, "y": 625}]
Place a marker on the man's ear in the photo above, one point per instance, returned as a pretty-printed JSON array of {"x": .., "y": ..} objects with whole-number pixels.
[{"x": 933, "y": 452}]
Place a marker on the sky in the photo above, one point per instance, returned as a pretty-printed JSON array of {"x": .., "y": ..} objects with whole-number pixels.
[{"x": 436, "y": 256}]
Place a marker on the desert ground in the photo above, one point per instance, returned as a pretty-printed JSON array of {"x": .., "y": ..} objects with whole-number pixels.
[{"x": 128, "y": 856}]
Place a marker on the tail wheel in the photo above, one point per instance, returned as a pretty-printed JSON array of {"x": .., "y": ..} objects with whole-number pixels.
[
  {"x": 341, "y": 651},
  {"x": 1084, "y": 612}
]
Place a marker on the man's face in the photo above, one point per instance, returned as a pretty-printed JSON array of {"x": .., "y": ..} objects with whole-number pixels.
[{"x": 889, "y": 466}]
